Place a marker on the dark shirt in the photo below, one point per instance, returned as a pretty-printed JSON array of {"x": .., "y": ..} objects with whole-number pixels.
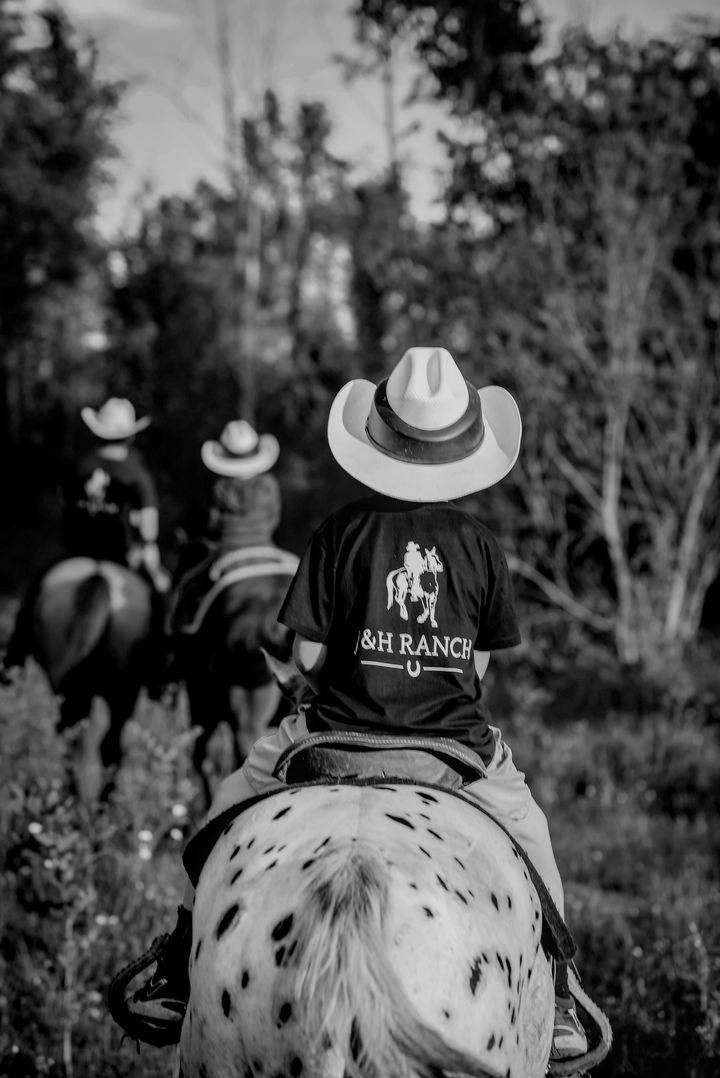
[
  {"x": 98, "y": 499},
  {"x": 402, "y": 594}
]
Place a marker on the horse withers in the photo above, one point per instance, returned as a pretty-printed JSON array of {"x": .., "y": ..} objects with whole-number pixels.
[{"x": 92, "y": 630}]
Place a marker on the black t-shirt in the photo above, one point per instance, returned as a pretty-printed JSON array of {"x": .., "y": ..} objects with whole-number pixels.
[
  {"x": 402, "y": 594},
  {"x": 98, "y": 499}
]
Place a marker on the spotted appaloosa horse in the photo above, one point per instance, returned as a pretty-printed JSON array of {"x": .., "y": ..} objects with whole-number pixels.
[
  {"x": 91, "y": 636},
  {"x": 386, "y": 931}
]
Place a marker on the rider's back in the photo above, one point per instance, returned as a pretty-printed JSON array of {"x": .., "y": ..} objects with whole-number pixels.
[
  {"x": 244, "y": 512},
  {"x": 99, "y": 498},
  {"x": 403, "y": 594}
]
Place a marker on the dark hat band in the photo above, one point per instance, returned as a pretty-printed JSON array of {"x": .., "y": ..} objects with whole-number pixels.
[
  {"x": 245, "y": 454},
  {"x": 396, "y": 438}
]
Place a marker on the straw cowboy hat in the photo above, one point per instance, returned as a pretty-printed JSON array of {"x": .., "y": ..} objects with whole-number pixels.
[
  {"x": 425, "y": 433},
  {"x": 240, "y": 451},
  {"x": 115, "y": 420}
]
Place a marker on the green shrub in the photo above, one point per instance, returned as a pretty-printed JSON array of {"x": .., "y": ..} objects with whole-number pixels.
[{"x": 633, "y": 808}]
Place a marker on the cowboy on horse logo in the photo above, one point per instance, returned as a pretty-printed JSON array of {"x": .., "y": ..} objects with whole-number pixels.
[
  {"x": 416, "y": 579},
  {"x": 96, "y": 489}
]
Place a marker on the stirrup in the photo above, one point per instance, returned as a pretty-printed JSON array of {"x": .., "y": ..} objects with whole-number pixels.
[
  {"x": 598, "y": 1031},
  {"x": 570, "y": 1027},
  {"x": 134, "y": 1026}
]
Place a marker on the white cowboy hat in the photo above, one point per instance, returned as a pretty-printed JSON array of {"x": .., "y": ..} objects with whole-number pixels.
[
  {"x": 115, "y": 420},
  {"x": 425, "y": 434},
  {"x": 240, "y": 451}
]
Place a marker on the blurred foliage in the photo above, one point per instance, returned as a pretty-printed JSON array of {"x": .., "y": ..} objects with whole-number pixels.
[
  {"x": 634, "y": 811},
  {"x": 55, "y": 113},
  {"x": 478, "y": 55},
  {"x": 82, "y": 894}
]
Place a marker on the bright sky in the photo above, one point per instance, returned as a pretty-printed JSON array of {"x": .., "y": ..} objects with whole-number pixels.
[{"x": 169, "y": 131}]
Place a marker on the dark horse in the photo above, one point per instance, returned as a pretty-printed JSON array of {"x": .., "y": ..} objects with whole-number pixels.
[
  {"x": 92, "y": 636},
  {"x": 226, "y": 661}
]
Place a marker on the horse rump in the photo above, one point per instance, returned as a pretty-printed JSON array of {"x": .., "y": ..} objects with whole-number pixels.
[{"x": 351, "y": 1000}]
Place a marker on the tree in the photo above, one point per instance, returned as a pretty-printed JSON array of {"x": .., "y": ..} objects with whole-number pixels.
[
  {"x": 173, "y": 340},
  {"x": 613, "y": 188},
  {"x": 624, "y": 211},
  {"x": 584, "y": 184},
  {"x": 55, "y": 114},
  {"x": 479, "y": 55}
]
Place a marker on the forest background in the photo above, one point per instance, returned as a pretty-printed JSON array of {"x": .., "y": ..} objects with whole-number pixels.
[{"x": 576, "y": 261}]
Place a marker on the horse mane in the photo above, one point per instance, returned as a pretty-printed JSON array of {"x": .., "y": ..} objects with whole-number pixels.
[{"x": 353, "y": 1002}]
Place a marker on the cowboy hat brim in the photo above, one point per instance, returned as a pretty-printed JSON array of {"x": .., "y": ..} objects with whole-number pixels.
[
  {"x": 410, "y": 481},
  {"x": 90, "y": 418},
  {"x": 217, "y": 459}
]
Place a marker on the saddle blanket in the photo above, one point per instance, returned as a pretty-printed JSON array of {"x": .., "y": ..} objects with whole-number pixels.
[{"x": 243, "y": 564}]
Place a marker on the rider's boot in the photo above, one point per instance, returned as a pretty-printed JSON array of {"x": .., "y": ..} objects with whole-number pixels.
[
  {"x": 569, "y": 1038},
  {"x": 154, "y": 1010}
]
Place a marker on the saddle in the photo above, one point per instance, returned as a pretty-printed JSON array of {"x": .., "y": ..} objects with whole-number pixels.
[
  {"x": 358, "y": 758},
  {"x": 344, "y": 756},
  {"x": 242, "y": 564}
]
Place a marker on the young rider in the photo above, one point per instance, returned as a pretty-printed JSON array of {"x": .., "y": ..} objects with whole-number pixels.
[
  {"x": 397, "y": 604},
  {"x": 245, "y": 508},
  {"x": 109, "y": 512}
]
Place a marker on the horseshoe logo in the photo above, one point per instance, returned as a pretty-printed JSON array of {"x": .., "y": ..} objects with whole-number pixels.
[{"x": 416, "y": 671}]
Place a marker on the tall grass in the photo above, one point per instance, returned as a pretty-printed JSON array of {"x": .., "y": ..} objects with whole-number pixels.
[{"x": 634, "y": 809}]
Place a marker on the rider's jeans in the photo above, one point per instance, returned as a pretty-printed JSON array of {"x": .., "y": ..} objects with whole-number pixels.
[{"x": 503, "y": 793}]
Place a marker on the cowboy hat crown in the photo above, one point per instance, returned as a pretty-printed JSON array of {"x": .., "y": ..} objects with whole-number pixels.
[
  {"x": 115, "y": 420},
  {"x": 425, "y": 433},
  {"x": 240, "y": 451},
  {"x": 426, "y": 389}
]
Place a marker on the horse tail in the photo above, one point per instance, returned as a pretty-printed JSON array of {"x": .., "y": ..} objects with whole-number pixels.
[
  {"x": 350, "y": 998},
  {"x": 92, "y": 609}
]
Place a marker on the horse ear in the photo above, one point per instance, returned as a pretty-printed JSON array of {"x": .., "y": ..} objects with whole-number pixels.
[{"x": 292, "y": 684}]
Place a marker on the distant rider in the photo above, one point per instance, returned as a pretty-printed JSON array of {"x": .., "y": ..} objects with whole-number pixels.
[
  {"x": 109, "y": 512},
  {"x": 244, "y": 511}
]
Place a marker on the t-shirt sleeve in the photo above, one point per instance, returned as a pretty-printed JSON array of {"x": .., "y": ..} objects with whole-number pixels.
[
  {"x": 498, "y": 625},
  {"x": 309, "y": 604}
]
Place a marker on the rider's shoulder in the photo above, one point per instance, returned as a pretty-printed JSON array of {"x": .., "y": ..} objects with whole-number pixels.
[
  {"x": 345, "y": 519},
  {"x": 471, "y": 522}
]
